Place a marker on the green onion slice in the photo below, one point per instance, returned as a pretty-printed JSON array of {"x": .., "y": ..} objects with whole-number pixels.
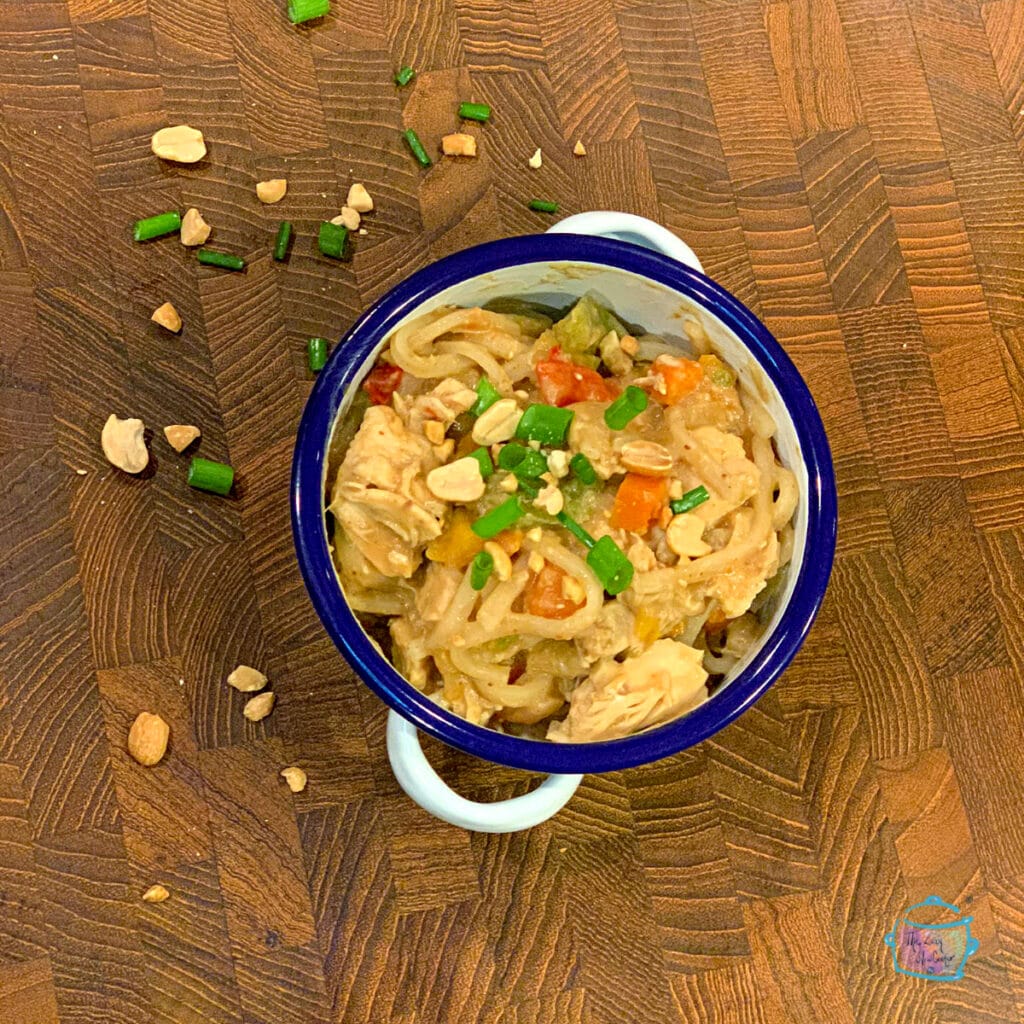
[
  {"x": 157, "y": 226},
  {"x": 305, "y": 10},
  {"x": 474, "y": 111},
  {"x": 581, "y": 466},
  {"x": 543, "y": 206},
  {"x": 417, "y": 147},
  {"x": 626, "y": 407},
  {"x": 224, "y": 260},
  {"x": 490, "y": 524},
  {"x": 483, "y": 456},
  {"x": 611, "y": 566},
  {"x": 486, "y": 395},
  {"x": 207, "y": 475},
  {"x": 689, "y": 501},
  {"x": 404, "y": 75},
  {"x": 481, "y": 569},
  {"x": 316, "y": 353},
  {"x": 545, "y": 423},
  {"x": 332, "y": 239},
  {"x": 284, "y": 236}
]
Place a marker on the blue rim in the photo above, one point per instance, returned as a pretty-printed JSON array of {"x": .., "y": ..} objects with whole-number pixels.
[{"x": 308, "y": 469}]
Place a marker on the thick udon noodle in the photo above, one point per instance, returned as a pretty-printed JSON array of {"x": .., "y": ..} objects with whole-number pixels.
[{"x": 600, "y": 667}]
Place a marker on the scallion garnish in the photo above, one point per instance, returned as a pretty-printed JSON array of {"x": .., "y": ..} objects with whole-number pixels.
[
  {"x": 543, "y": 206},
  {"x": 305, "y": 10},
  {"x": 332, "y": 239},
  {"x": 626, "y": 407},
  {"x": 207, "y": 475},
  {"x": 490, "y": 524},
  {"x": 581, "y": 466},
  {"x": 474, "y": 111},
  {"x": 522, "y": 461},
  {"x": 545, "y": 423},
  {"x": 284, "y": 236},
  {"x": 610, "y": 565},
  {"x": 404, "y": 75},
  {"x": 483, "y": 456},
  {"x": 157, "y": 226},
  {"x": 224, "y": 260},
  {"x": 480, "y": 570},
  {"x": 316, "y": 353},
  {"x": 689, "y": 501},
  {"x": 417, "y": 147},
  {"x": 486, "y": 395}
]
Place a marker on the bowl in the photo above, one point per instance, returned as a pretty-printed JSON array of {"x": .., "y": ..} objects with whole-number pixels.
[{"x": 645, "y": 287}]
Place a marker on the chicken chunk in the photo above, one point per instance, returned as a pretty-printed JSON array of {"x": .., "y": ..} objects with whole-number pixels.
[
  {"x": 663, "y": 595},
  {"x": 408, "y": 651},
  {"x": 381, "y": 497},
  {"x": 435, "y": 595},
  {"x": 617, "y": 700},
  {"x": 609, "y": 635},
  {"x": 736, "y": 589},
  {"x": 443, "y": 404}
]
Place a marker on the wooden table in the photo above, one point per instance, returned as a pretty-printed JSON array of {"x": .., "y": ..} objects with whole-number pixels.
[{"x": 850, "y": 169}]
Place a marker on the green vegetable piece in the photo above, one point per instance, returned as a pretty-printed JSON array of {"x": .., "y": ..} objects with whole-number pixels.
[
  {"x": 284, "y": 236},
  {"x": 545, "y": 423},
  {"x": 481, "y": 569},
  {"x": 474, "y": 111},
  {"x": 316, "y": 353},
  {"x": 543, "y": 206},
  {"x": 157, "y": 226},
  {"x": 578, "y": 334},
  {"x": 522, "y": 461},
  {"x": 580, "y": 465},
  {"x": 576, "y": 530},
  {"x": 486, "y": 395},
  {"x": 626, "y": 407},
  {"x": 404, "y": 76},
  {"x": 610, "y": 565},
  {"x": 224, "y": 260},
  {"x": 332, "y": 239},
  {"x": 305, "y": 10},
  {"x": 207, "y": 475},
  {"x": 689, "y": 501},
  {"x": 490, "y": 524},
  {"x": 417, "y": 147},
  {"x": 483, "y": 456}
]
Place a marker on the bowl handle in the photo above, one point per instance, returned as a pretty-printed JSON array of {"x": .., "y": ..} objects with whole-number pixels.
[
  {"x": 425, "y": 787},
  {"x": 627, "y": 227}
]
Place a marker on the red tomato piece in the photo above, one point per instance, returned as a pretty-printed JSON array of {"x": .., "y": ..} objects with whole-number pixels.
[
  {"x": 382, "y": 382},
  {"x": 562, "y": 382}
]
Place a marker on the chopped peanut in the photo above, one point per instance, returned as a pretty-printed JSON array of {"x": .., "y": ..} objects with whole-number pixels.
[
  {"x": 534, "y": 535},
  {"x": 458, "y": 481},
  {"x": 675, "y": 489},
  {"x": 359, "y": 199},
  {"x": 445, "y": 449},
  {"x": 535, "y": 562},
  {"x": 683, "y": 536},
  {"x": 572, "y": 589},
  {"x": 246, "y": 679},
  {"x": 167, "y": 316},
  {"x": 579, "y": 149},
  {"x": 194, "y": 230},
  {"x": 558, "y": 463},
  {"x": 629, "y": 344},
  {"x": 271, "y": 191},
  {"x": 433, "y": 430},
  {"x": 458, "y": 144},
  {"x": 180, "y": 435},
  {"x": 646, "y": 457},
  {"x": 295, "y": 777},
  {"x": 257, "y": 708},
  {"x": 510, "y": 484},
  {"x": 155, "y": 894},
  {"x": 180, "y": 143},
  {"x": 348, "y": 217},
  {"x": 498, "y": 423},
  {"x": 536, "y": 160},
  {"x": 550, "y": 499},
  {"x": 502, "y": 563}
]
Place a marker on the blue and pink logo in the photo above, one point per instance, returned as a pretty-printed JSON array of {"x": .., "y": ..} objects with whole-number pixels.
[{"x": 936, "y": 951}]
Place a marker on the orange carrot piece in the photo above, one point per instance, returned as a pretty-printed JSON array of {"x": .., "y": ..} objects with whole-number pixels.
[{"x": 638, "y": 501}]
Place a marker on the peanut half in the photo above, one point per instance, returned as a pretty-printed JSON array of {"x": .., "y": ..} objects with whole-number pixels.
[
  {"x": 498, "y": 423},
  {"x": 124, "y": 445},
  {"x": 647, "y": 458},
  {"x": 180, "y": 143},
  {"x": 180, "y": 435},
  {"x": 147, "y": 739},
  {"x": 295, "y": 777},
  {"x": 155, "y": 894},
  {"x": 460, "y": 480},
  {"x": 167, "y": 316},
  {"x": 257, "y": 708},
  {"x": 194, "y": 230},
  {"x": 246, "y": 679},
  {"x": 458, "y": 144},
  {"x": 359, "y": 199},
  {"x": 271, "y": 191},
  {"x": 348, "y": 217}
]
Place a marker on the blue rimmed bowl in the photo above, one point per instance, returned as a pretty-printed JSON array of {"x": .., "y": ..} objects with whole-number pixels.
[{"x": 645, "y": 287}]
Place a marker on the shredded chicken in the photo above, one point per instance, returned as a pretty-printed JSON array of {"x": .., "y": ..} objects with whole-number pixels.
[
  {"x": 665, "y": 681},
  {"x": 408, "y": 651},
  {"x": 380, "y": 496},
  {"x": 609, "y": 635},
  {"x": 437, "y": 590},
  {"x": 736, "y": 589},
  {"x": 446, "y": 401},
  {"x": 665, "y": 597}
]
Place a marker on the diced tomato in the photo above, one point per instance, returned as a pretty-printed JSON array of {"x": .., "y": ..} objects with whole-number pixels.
[
  {"x": 678, "y": 377},
  {"x": 563, "y": 382},
  {"x": 382, "y": 383},
  {"x": 638, "y": 502},
  {"x": 545, "y": 595}
]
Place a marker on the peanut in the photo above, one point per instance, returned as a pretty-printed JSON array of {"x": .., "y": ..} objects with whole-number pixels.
[
  {"x": 629, "y": 344},
  {"x": 558, "y": 463},
  {"x": 257, "y": 708},
  {"x": 458, "y": 144},
  {"x": 572, "y": 590},
  {"x": 433, "y": 430},
  {"x": 460, "y": 480},
  {"x": 271, "y": 191},
  {"x": 536, "y": 160},
  {"x": 502, "y": 563},
  {"x": 683, "y": 536},
  {"x": 349, "y": 217},
  {"x": 147, "y": 738},
  {"x": 180, "y": 143},
  {"x": 498, "y": 423},
  {"x": 167, "y": 316},
  {"x": 194, "y": 230},
  {"x": 246, "y": 679},
  {"x": 123, "y": 444},
  {"x": 359, "y": 199},
  {"x": 295, "y": 777},
  {"x": 579, "y": 149},
  {"x": 550, "y": 500},
  {"x": 647, "y": 458},
  {"x": 155, "y": 894},
  {"x": 180, "y": 435}
]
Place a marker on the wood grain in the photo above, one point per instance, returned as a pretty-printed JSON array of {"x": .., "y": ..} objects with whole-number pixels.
[{"x": 850, "y": 170}]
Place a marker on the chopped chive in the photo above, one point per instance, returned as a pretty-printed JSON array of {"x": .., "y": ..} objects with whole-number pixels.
[
  {"x": 157, "y": 226},
  {"x": 581, "y": 466},
  {"x": 689, "y": 501},
  {"x": 316, "y": 353},
  {"x": 486, "y": 395},
  {"x": 284, "y": 236},
  {"x": 223, "y": 260},
  {"x": 626, "y": 407},
  {"x": 543, "y": 206},
  {"x": 417, "y": 147},
  {"x": 481, "y": 569},
  {"x": 545, "y": 423},
  {"x": 332, "y": 239},
  {"x": 611, "y": 566},
  {"x": 529, "y": 487},
  {"x": 474, "y": 111},
  {"x": 575, "y": 529},
  {"x": 404, "y": 76},
  {"x": 206, "y": 475},
  {"x": 490, "y": 524},
  {"x": 483, "y": 456},
  {"x": 522, "y": 461},
  {"x": 305, "y": 10}
]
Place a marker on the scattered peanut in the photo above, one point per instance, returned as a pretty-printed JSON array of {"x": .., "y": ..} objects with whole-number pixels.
[
  {"x": 558, "y": 463},
  {"x": 573, "y": 590},
  {"x": 348, "y": 217},
  {"x": 629, "y": 344},
  {"x": 535, "y": 562},
  {"x": 180, "y": 435},
  {"x": 257, "y": 708},
  {"x": 509, "y": 484},
  {"x": 194, "y": 230},
  {"x": 458, "y": 144},
  {"x": 498, "y": 423},
  {"x": 647, "y": 458},
  {"x": 147, "y": 738},
  {"x": 534, "y": 534},
  {"x": 502, "y": 563},
  {"x": 271, "y": 191},
  {"x": 434, "y": 431},
  {"x": 246, "y": 679},
  {"x": 167, "y": 316},
  {"x": 550, "y": 499},
  {"x": 295, "y": 777},
  {"x": 612, "y": 355},
  {"x": 579, "y": 149},
  {"x": 155, "y": 894},
  {"x": 675, "y": 489},
  {"x": 359, "y": 199},
  {"x": 536, "y": 160},
  {"x": 445, "y": 449},
  {"x": 180, "y": 143},
  {"x": 123, "y": 444},
  {"x": 683, "y": 536},
  {"x": 460, "y": 480}
]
